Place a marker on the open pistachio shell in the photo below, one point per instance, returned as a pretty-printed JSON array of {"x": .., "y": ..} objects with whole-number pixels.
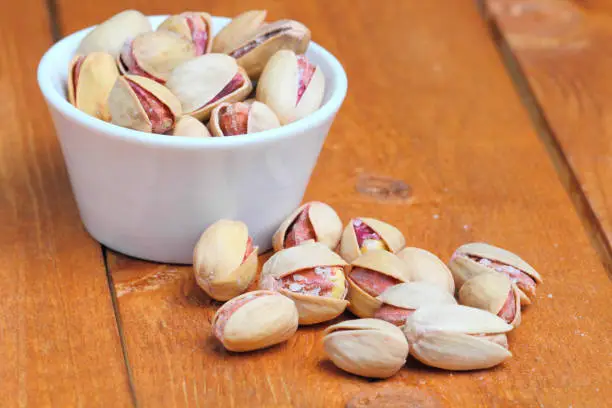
[
  {"x": 140, "y": 103},
  {"x": 111, "y": 35},
  {"x": 391, "y": 237},
  {"x": 366, "y": 347},
  {"x": 238, "y": 31},
  {"x": 311, "y": 221},
  {"x": 494, "y": 293},
  {"x": 426, "y": 267},
  {"x": 239, "y": 118},
  {"x": 204, "y": 82},
  {"x": 255, "y": 320},
  {"x": 224, "y": 260},
  {"x": 90, "y": 80},
  {"x": 190, "y": 127},
  {"x": 195, "y": 27}
]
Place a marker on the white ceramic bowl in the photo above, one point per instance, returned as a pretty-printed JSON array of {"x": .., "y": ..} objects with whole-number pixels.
[{"x": 151, "y": 196}]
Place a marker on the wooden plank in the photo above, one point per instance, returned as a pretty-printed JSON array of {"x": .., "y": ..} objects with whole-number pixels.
[
  {"x": 59, "y": 340},
  {"x": 429, "y": 104}
]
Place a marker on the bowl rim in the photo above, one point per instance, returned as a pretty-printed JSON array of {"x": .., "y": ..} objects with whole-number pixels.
[{"x": 59, "y": 102}]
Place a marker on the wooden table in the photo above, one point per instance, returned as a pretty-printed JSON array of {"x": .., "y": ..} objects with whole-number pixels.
[{"x": 499, "y": 119}]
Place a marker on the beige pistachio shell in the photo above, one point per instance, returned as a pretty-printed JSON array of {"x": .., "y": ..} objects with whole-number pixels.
[
  {"x": 218, "y": 260},
  {"x": 278, "y": 88},
  {"x": 189, "y": 126},
  {"x": 427, "y": 267},
  {"x": 366, "y": 347},
  {"x": 178, "y": 24},
  {"x": 198, "y": 81},
  {"x": 413, "y": 295},
  {"x": 315, "y": 309},
  {"x": 238, "y": 31},
  {"x": 126, "y": 109},
  {"x": 391, "y": 236},
  {"x": 96, "y": 78},
  {"x": 260, "y": 118},
  {"x": 489, "y": 292},
  {"x": 325, "y": 222},
  {"x": 267, "y": 319},
  {"x": 111, "y": 35}
]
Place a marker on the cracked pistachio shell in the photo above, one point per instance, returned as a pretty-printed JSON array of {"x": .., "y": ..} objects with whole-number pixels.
[
  {"x": 366, "y": 347},
  {"x": 190, "y": 127},
  {"x": 127, "y": 110},
  {"x": 279, "y": 84},
  {"x": 111, "y": 35},
  {"x": 96, "y": 74},
  {"x": 184, "y": 25},
  {"x": 413, "y": 295},
  {"x": 456, "y": 337},
  {"x": 201, "y": 80},
  {"x": 238, "y": 31},
  {"x": 255, "y": 320},
  {"x": 362, "y": 303},
  {"x": 489, "y": 292},
  {"x": 218, "y": 260},
  {"x": 391, "y": 236},
  {"x": 325, "y": 222},
  {"x": 259, "y": 118},
  {"x": 427, "y": 267},
  {"x": 311, "y": 309}
]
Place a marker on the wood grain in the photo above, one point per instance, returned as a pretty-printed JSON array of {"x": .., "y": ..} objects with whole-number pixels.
[
  {"x": 429, "y": 104},
  {"x": 59, "y": 341}
]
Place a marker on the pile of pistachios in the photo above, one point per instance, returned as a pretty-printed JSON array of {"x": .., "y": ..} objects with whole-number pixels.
[
  {"x": 181, "y": 80},
  {"x": 453, "y": 317}
]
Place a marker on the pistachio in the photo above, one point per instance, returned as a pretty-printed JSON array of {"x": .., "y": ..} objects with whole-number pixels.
[
  {"x": 477, "y": 258},
  {"x": 455, "y": 337},
  {"x": 195, "y": 27},
  {"x": 370, "y": 275},
  {"x": 255, "y": 320},
  {"x": 154, "y": 55},
  {"x": 426, "y": 267},
  {"x": 110, "y": 35},
  {"x": 225, "y": 260},
  {"x": 90, "y": 80},
  {"x": 239, "y": 30},
  {"x": 190, "y": 127},
  {"x": 494, "y": 293},
  {"x": 401, "y": 300},
  {"x": 241, "y": 118},
  {"x": 366, "y": 347},
  {"x": 205, "y": 82},
  {"x": 364, "y": 234},
  {"x": 142, "y": 104},
  {"x": 312, "y": 276},
  {"x": 314, "y": 221}
]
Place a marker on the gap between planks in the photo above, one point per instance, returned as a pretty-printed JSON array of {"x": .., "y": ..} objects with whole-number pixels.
[{"x": 548, "y": 137}]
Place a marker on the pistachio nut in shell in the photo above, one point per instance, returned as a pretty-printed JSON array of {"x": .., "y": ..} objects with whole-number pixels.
[
  {"x": 314, "y": 221},
  {"x": 255, "y": 320},
  {"x": 155, "y": 54},
  {"x": 195, "y": 27},
  {"x": 205, "y": 82},
  {"x": 111, "y": 35},
  {"x": 225, "y": 260},
  {"x": 238, "y": 31},
  {"x": 477, "y": 258},
  {"x": 363, "y": 234},
  {"x": 366, "y": 347},
  {"x": 291, "y": 86},
  {"x": 370, "y": 275},
  {"x": 494, "y": 293},
  {"x": 456, "y": 337},
  {"x": 189, "y": 126},
  {"x": 312, "y": 276},
  {"x": 254, "y": 52},
  {"x": 401, "y": 300},
  {"x": 90, "y": 80},
  {"x": 427, "y": 267},
  {"x": 241, "y": 118},
  {"x": 140, "y": 103}
]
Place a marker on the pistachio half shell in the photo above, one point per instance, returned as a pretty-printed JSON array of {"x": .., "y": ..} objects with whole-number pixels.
[
  {"x": 427, "y": 267},
  {"x": 455, "y": 337},
  {"x": 241, "y": 118},
  {"x": 255, "y": 320},
  {"x": 140, "y": 103},
  {"x": 205, "y": 82},
  {"x": 312, "y": 276},
  {"x": 90, "y": 80},
  {"x": 363, "y": 234},
  {"x": 190, "y": 127},
  {"x": 366, "y": 347},
  {"x": 494, "y": 293},
  {"x": 225, "y": 260},
  {"x": 239, "y": 30},
  {"x": 315, "y": 221},
  {"x": 195, "y": 27}
]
